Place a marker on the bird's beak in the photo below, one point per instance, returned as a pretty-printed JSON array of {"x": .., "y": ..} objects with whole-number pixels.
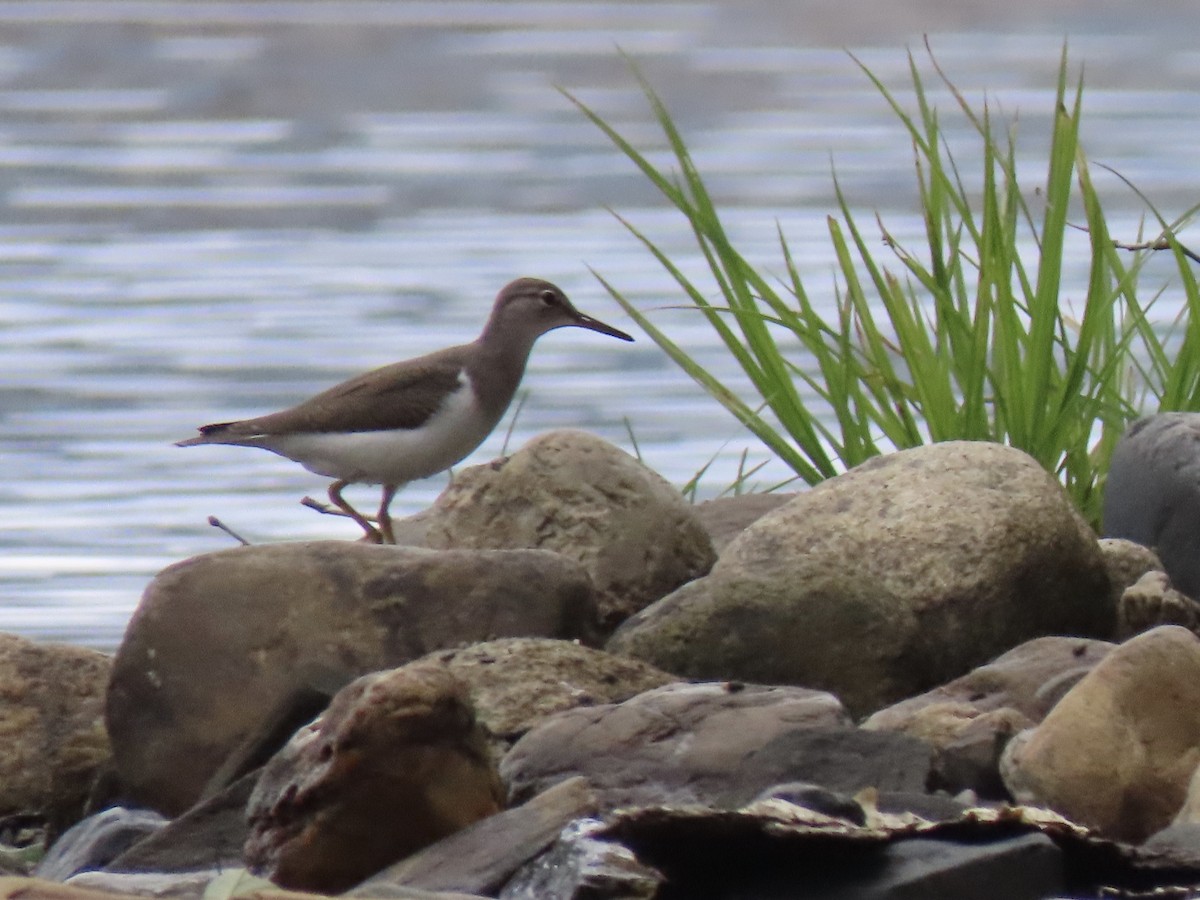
[{"x": 596, "y": 325}]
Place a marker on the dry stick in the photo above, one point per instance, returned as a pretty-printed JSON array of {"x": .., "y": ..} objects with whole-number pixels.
[
  {"x": 1157, "y": 244},
  {"x": 328, "y": 510},
  {"x": 217, "y": 523}
]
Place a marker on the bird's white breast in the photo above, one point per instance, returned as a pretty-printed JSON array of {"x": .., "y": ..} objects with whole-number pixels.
[{"x": 392, "y": 457}]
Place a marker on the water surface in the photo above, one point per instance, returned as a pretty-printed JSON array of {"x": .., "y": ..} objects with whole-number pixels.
[{"x": 213, "y": 210}]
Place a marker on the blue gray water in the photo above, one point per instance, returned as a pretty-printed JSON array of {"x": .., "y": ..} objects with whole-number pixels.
[{"x": 214, "y": 209}]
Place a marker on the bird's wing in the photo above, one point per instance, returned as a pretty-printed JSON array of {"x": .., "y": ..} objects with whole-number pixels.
[{"x": 400, "y": 396}]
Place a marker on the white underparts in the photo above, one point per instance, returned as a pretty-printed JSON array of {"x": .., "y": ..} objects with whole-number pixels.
[{"x": 390, "y": 457}]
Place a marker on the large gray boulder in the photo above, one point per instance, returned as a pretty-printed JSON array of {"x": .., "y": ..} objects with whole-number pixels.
[
  {"x": 899, "y": 575},
  {"x": 221, "y": 644},
  {"x": 1152, "y": 495}
]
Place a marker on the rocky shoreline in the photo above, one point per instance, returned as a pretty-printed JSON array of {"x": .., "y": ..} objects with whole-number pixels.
[{"x": 923, "y": 678}]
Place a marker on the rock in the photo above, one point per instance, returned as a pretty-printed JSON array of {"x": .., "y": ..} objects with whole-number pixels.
[
  {"x": 575, "y": 494},
  {"x": 1027, "y": 867},
  {"x": 1117, "y": 752},
  {"x": 396, "y": 763},
  {"x": 1021, "y": 679},
  {"x": 1178, "y": 843},
  {"x": 1127, "y": 562},
  {"x": 1152, "y": 495},
  {"x": 711, "y": 744},
  {"x": 99, "y": 885},
  {"x": 930, "y": 807},
  {"x": 1151, "y": 601},
  {"x": 96, "y": 841},
  {"x": 515, "y": 683},
  {"x": 1189, "y": 812},
  {"x": 197, "y": 885},
  {"x": 581, "y": 867},
  {"x": 817, "y": 798},
  {"x": 53, "y": 745},
  {"x": 770, "y": 852},
  {"x": 970, "y": 720},
  {"x": 211, "y": 833},
  {"x": 727, "y": 517},
  {"x": 222, "y": 642},
  {"x": 290, "y": 712},
  {"x": 885, "y": 581},
  {"x": 482, "y": 857}
]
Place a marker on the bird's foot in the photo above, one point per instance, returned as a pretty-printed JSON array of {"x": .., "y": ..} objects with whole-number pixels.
[
  {"x": 371, "y": 534},
  {"x": 386, "y": 535}
]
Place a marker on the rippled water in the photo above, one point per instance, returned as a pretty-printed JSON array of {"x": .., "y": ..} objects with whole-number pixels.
[{"x": 212, "y": 210}]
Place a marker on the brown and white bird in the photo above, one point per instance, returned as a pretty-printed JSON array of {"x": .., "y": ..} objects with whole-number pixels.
[{"x": 415, "y": 418}]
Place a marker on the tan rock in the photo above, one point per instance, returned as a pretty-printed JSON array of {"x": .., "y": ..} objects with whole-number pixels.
[
  {"x": 1127, "y": 561},
  {"x": 396, "y": 763},
  {"x": 515, "y": 683},
  {"x": 220, "y": 642},
  {"x": 1151, "y": 601},
  {"x": 578, "y": 495},
  {"x": 899, "y": 575},
  {"x": 1117, "y": 752},
  {"x": 53, "y": 744}
]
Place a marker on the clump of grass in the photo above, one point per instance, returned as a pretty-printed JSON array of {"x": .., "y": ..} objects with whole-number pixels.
[{"x": 960, "y": 338}]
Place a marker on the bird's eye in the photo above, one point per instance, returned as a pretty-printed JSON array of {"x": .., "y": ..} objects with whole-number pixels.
[{"x": 549, "y": 297}]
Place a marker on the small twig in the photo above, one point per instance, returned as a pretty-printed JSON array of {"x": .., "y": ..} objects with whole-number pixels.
[
  {"x": 323, "y": 508},
  {"x": 217, "y": 523},
  {"x": 1158, "y": 244},
  {"x": 328, "y": 510}
]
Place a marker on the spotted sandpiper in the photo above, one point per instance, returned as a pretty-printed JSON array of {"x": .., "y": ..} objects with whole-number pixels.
[{"x": 415, "y": 418}]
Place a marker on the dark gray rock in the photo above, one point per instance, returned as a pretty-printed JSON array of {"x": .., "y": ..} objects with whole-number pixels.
[
  {"x": 1028, "y": 867},
  {"x": 712, "y": 744},
  {"x": 1177, "y": 845},
  {"x": 209, "y": 835},
  {"x": 483, "y": 856},
  {"x": 818, "y": 799},
  {"x": 754, "y": 854},
  {"x": 581, "y": 867},
  {"x": 930, "y": 807},
  {"x": 96, "y": 841},
  {"x": 1152, "y": 495}
]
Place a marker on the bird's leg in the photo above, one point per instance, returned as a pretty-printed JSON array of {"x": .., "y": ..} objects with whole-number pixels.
[
  {"x": 384, "y": 518},
  {"x": 335, "y": 496}
]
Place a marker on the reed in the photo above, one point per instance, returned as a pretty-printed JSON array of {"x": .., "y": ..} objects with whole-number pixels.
[{"x": 965, "y": 337}]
